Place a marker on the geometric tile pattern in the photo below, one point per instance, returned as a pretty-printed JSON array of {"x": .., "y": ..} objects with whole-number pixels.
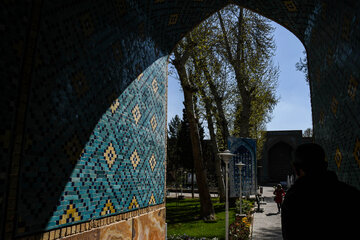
[
  {"x": 117, "y": 173},
  {"x": 70, "y": 215},
  {"x": 108, "y": 209},
  {"x": 110, "y": 155},
  {"x": 152, "y": 162},
  {"x": 62, "y": 67},
  {"x": 135, "y": 159},
  {"x": 136, "y": 114}
]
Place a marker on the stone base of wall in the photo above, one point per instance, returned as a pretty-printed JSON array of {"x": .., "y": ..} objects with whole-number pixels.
[{"x": 142, "y": 224}]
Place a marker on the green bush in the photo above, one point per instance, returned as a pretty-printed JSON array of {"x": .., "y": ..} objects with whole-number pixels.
[{"x": 247, "y": 204}]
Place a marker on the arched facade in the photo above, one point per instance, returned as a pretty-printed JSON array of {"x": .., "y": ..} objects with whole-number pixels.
[
  {"x": 279, "y": 157},
  {"x": 83, "y": 97}
]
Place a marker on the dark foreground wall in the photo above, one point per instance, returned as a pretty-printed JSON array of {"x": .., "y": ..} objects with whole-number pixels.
[{"x": 83, "y": 96}]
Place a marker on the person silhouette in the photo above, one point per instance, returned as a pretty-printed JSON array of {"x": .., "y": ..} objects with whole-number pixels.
[
  {"x": 279, "y": 194},
  {"x": 318, "y": 205}
]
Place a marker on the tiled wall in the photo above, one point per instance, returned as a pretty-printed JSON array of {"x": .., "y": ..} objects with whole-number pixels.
[
  {"x": 83, "y": 100},
  {"x": 333, "y": 40},
  {"x": 120, "y": 168}
]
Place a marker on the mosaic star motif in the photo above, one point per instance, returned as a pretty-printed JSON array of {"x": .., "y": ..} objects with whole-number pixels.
[
  {"x": 152, "y": 162},
  {"x": 108, "y": 209},
  {"x": 136, "y": 113},
  {"x": 135, "y": 159},
  {"x": 134, "y": 203},
  {"x": 153, "y": 123},
  {"x": 155, "y": 85},
  {"x": 71, "y": 215},
  {"x": 110, "y": 155}
]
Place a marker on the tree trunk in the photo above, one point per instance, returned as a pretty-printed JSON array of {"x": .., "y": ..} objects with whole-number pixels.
[
  {"x": 219, "y": 175},
  {"x": 192, "y": 183},
  {"x": 207, "y": 209},
  {"x": 220, "y": 110}
]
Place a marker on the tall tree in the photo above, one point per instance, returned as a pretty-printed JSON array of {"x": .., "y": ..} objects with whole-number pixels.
[
  {"x": 181, "y": 55},
  {"x": 246, "y": 43},
  {"x": 210, "y": 112}
]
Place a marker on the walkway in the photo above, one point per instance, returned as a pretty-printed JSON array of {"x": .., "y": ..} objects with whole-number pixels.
[{"x": 267, "y": 225}]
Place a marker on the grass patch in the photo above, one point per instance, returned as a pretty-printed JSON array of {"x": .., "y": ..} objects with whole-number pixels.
[{"x": 182, "y": 217}]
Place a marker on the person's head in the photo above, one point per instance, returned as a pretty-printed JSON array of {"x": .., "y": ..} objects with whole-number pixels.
[
  {"x": 309, "y": 159},
  {"x": 279, "y": 186}
]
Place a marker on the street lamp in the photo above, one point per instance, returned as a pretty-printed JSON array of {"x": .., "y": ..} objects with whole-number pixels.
[
  {"x": 240, "y": 165},
  {"x": 226, "y": 156}
]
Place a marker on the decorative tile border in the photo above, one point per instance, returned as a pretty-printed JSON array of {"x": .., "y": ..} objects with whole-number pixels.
[{"x": 91, "y": 225}]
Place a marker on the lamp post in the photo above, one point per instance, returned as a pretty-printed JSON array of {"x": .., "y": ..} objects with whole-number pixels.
[
  {"x": 226, "y": 156},
  {"x": 240, "y": 165}
]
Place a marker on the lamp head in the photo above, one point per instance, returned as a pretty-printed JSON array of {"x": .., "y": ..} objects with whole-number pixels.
[
  {"x": 226, "y": 156},
  {"x": 239, "y": 165}
]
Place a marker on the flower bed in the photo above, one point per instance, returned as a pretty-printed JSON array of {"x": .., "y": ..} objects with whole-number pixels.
[{"x": 241, "y": 228}]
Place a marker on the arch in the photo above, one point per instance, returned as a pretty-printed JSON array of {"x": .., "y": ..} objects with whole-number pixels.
[
  {"x": 279, "y": 157},
  {"x": 67, "y": 65}
]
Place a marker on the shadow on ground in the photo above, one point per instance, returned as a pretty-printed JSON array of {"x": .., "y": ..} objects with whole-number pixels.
[{"x": 273, "y": 233}]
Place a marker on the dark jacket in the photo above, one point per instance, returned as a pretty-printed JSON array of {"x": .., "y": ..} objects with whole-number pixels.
[{"x": 321, "y": 207}]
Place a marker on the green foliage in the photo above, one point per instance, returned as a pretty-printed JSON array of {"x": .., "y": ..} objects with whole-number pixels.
[
  {"x": 247, "y": 204},
  {"x": 183, "y": 217}
]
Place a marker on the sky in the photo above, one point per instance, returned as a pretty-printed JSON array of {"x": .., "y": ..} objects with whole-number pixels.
[{"x": 293, "y": 111}]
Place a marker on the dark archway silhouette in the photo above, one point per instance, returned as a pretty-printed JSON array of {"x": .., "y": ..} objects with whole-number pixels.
[
  {"x": 279, "y": 156},
  {"x": 66, "y": 67}
]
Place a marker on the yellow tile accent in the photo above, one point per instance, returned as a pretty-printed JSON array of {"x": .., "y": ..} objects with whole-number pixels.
[
  {"x": 357, "y": 151},
  {"x": 152, "y": 199},
  {"x": 153, "y": 123},
  {"x": 334, "y": 105},
  {"x": 140, "y": 76},
  {"x": 110, "y": 155},
  {"x": 290, "y": 5},
  {"x": 136, "y": 113},
  {"x": 152, "y": 162},
  {"x": 108, "y": 209},
  {"x": 71, "y": 215},
  {"x": 155, "y": 85},
  {"x": 173, "y": 19},
  {"x": 115, "y": 106},
  {"x": 352, "y": 87},
  {"x": 134, "y": 203},
  {"x": 338, "y": 158},
  {"x": 135, "y": 159}
]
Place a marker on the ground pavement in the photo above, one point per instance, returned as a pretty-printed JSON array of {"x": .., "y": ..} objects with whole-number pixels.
[{"x": 267, "y": 224}]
